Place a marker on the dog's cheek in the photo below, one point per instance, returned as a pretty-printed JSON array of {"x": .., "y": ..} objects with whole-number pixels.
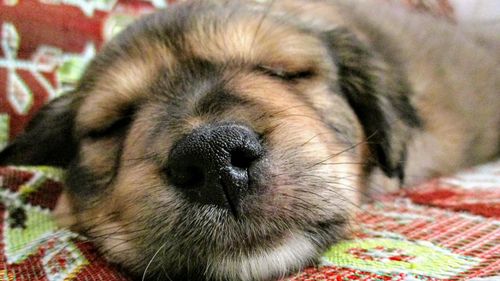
[
  {"x": 112, "y": 215},
  {"x": 91, "y": 172},
  {"x": 312, "y": 157},
  {"x": 100, "y": 156},
  {"x": 137, "y": 201},
  {"x": 63, "y": 212},
  {"x": 85, "y": 191},
  {"x": 118, "y": 245},
  {"x": 148, "y": 209},
  {"x": 322, "y": 170}
]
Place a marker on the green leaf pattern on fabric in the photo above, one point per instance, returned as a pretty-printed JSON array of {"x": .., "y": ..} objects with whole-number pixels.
[
  {"x": 4, "y": 130},
  {"x": 389, "y": 255}
]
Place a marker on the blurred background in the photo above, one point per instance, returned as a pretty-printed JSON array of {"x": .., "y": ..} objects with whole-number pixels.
[{"x": 485, "y": 11}]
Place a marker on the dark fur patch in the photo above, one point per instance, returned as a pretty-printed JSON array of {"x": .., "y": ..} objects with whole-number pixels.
[
  {"x": 82, "y": 183},
  {"x": 376, "y": 103},
  {"x": 48, "y": 138},
  {"x": 218, "y": 101}
]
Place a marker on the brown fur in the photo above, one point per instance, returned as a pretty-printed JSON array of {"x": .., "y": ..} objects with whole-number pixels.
[{"x": 344, "y": 100}]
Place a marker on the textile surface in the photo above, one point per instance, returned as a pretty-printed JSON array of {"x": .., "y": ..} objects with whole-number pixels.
[{"x": 445, "y": 229}]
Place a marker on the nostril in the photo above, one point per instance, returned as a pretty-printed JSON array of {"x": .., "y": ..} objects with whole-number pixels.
[
  {"x": 188, "y": 177},
  {"x": 243, "y": 158}
]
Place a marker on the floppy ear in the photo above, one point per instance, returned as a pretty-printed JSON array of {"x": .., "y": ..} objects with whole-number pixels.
[
  {"x": 376, "y": 88},
  {"x": 47, "y": 140}
]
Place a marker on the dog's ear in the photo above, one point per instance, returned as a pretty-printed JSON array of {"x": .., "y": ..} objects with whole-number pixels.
[
  {"x": 378, "y": 92},
  {"x": 48, "y": 138}
]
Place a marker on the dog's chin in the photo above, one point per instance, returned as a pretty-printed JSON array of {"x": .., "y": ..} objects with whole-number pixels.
[
  {"x": 293, "y": 252},
  {"x": 289, "y": 252}
]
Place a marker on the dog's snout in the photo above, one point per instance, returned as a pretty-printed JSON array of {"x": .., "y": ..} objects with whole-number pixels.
[{"x": 211, "y": 165}]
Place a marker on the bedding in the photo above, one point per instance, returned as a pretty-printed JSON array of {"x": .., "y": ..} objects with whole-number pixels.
[{"x": 444, "y": 229}]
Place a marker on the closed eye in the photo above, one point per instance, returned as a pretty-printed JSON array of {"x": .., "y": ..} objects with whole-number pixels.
[
  {"x": 112, "y": 130},
  {"x": 116, "y": 128},
  {"x": 282, "y": 74}
]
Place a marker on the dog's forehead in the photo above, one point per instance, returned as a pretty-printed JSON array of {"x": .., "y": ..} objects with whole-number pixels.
[
  {"x": 255, "y": 39},
  {"x": 161, "y": 43}
]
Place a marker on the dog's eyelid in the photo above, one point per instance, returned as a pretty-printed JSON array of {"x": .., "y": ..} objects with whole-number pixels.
[
  {"x": 286, "y": 75},
  {"x": 112, "y": 128}
]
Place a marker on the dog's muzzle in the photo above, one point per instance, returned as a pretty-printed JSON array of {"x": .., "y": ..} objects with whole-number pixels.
[{"x": 212, "y": 164}]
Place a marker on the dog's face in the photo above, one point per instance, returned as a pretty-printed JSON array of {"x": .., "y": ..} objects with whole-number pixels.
[{"x": 213, "y": 142}]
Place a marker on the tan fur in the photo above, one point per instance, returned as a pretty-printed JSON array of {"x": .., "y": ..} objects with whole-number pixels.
[
  {"x": 274, "y": 46},
  {"x": 123, "y": 83}
]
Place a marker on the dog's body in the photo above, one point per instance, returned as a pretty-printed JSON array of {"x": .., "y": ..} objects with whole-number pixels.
[
  {"x": 232, "y": 140},
  {"x": 454, "y": 84}
]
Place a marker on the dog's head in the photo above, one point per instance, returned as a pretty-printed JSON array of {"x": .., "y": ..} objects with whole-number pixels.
[{"x": 227, "y": 142}]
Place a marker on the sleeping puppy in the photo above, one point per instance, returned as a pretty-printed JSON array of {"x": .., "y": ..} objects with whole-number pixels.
[{"x": 232, "y": 140}]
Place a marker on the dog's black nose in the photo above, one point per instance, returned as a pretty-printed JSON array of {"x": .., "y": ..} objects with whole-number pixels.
[{"x": 211, "y": 165}]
